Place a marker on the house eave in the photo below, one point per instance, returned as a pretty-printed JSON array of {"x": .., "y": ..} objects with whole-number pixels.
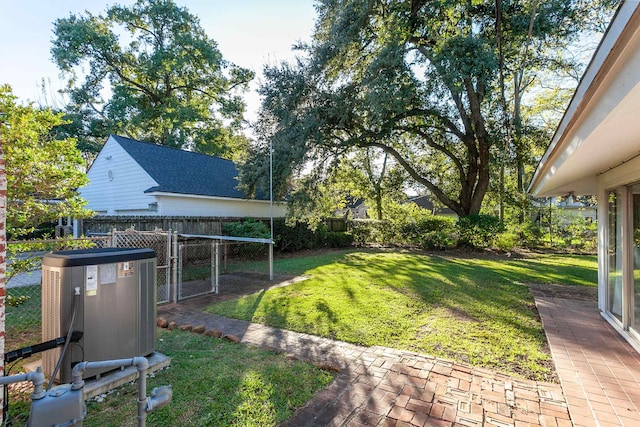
[
  {"x": 200, "y": 196},
  {"x": 602, "y": 112}
]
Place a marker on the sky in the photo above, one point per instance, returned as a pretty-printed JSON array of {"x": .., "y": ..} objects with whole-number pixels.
[{"x": 249, "y": 33}]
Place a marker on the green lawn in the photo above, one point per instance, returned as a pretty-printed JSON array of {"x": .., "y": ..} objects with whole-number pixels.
[
  {"x": 474, "y": 310},
  {"x": 215, "y": 383},
  {"x": 22, "y": 321}
]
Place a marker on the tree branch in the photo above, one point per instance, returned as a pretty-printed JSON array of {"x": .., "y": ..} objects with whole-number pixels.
[{"x": 435, "y": 190}]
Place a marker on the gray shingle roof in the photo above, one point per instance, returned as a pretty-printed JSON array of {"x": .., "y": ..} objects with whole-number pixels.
[{"x": 184, "y": 172}]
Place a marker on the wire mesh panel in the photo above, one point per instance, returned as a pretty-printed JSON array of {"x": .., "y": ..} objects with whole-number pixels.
[
  {"x": 24, "y": 285},
  {"x": 244, "y": 257},
  {"x": 221, "y": 264},
  {"x": 196, "y": 275},
  {"x": 159, "y": 241}
]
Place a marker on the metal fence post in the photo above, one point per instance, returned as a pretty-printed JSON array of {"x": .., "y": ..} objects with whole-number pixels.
[
  {"x": 174, "y": 269},
  {"x": 271, "y": 260},
  {"x": 216, "y": 263},
  {"x": 167, "y": 274}
]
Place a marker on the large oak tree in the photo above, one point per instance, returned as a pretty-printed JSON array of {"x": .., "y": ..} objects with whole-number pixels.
[
  {"x": 149, "y": 71},
  {"x": 418, "y": 79}
]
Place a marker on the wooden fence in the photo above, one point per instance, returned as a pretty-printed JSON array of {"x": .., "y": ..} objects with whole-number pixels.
[{"x": 179, "y": 224}]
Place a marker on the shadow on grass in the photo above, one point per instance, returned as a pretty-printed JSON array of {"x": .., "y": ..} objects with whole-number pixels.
[{"x": 473, "y": 310}]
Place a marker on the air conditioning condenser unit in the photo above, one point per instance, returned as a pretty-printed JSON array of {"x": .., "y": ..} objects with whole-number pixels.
[{"x": 115, "y": 305}]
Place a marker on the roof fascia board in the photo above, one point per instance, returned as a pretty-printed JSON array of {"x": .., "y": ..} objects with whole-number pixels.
[
  {"x": 199, "y": 196},
  {"x": 622, "y": 27}
]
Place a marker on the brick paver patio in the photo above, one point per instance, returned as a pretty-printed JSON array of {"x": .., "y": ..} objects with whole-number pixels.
[{"x": 598, "y": 369}]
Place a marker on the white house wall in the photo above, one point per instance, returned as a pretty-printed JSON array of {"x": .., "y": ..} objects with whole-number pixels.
[
  {"x": 184, "y": 205},
  {"x": 117, "y": 184}
]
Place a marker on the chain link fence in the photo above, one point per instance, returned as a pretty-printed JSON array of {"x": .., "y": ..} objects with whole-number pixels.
[
  {"x": 187, "y": 266},
  {"x": 215, "y": 264},
  {"x": 23, "y": 301},
  {"x": 161, "y": 242},
  {"x": 196, "y": 268},
  {"x": 23, "y": 286}
]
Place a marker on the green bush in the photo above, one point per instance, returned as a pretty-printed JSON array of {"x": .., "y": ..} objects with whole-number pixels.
[
  {"x": 338, "y": 239},
  {"x": 528, "y": 234},
  {"x": 582, "y": 234},
  {"x": 507, "y": 241},
  {"x": 247, "y": 228},
  {"x": 370, "y": 231},
  {"x": 479, "y": 231},
  {"x": 438, "y": 232},
  {"x": 566, "y": 231},
  {"x": 297, "y": 237},
  {"x": 426, "y": 230}
]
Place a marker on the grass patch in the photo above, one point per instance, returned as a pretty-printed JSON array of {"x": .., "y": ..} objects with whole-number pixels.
[
  {"x": 22, "y": 321},
  {"x": 215, "y": 383},
  {"x": 472, "y": 310},
  {"x": 22, "y": 309},
  {"x": 196, "y": 272}
]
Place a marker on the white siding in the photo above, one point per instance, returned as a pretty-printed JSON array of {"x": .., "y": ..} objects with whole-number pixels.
[
  {"x": 117, "y": 183},
  {"x": 178, "y": 205}
]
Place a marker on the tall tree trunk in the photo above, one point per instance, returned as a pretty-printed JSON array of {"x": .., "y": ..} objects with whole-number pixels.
[
  {"x": 379, "y": 203},
  {"x": 503, "y": 102}
]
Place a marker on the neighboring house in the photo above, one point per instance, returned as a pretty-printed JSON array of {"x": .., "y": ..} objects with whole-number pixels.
[
  {"x": 359, "y": 210},
  {"x": 569, "y": 207},
  {"x": 355, "y": 207},
  {"x": 425, "y": 202},
  {"x": 596, "y": 151},
  {"x": 130, "y": 177}
]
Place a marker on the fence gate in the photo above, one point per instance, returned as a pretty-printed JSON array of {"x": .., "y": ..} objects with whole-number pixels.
[
  {"x": 159, "y": 241},
  {"x": 214, "y": 264},
  {"x": 197, "y": 269}
]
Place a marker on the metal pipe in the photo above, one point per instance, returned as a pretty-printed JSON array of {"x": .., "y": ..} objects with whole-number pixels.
[
  {"x": 37, "y": 378},
  {"x": 142, "y": 389},
  {"x": 216, "y": 262},
  {"x": 168, "y": 277},
  {"x": 160, "y": 397},
  {"x": 271, "y": 260},
  {"x": 139, "y": 362}
]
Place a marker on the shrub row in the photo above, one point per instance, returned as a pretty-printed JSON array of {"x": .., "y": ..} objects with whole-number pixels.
[
  {"x": 290, "y": 238},
  {"x": 431, "y": 232},
  {"x": 425, "y": 231}
]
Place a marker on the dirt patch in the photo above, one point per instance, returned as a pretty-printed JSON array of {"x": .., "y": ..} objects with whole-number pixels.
[
  {"x": 582, "y": 293},
  {"x": 232, "y": 286}
]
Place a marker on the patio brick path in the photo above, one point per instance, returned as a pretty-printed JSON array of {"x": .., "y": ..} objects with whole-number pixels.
[{"x": 599, "y": 371}]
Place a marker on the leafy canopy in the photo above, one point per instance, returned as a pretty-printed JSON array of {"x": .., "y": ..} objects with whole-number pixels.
[
  {"x": 417, "y": 79},
  {"x": 43, "y": 172},
  {"x": 150, "y": 72}
]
